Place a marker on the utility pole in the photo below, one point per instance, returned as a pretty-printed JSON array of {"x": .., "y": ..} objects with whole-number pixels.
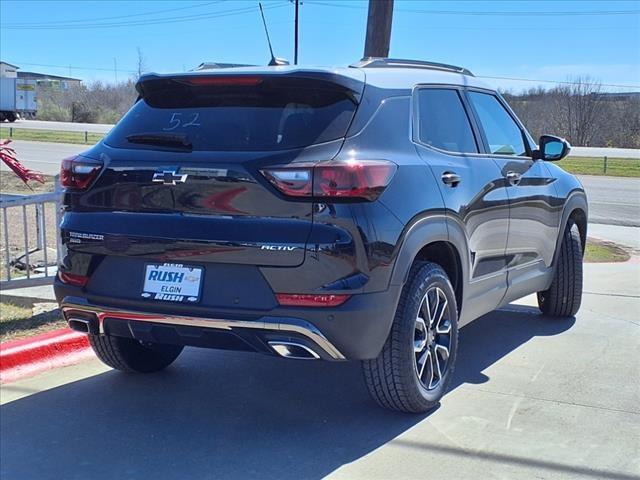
[
  {"x": 296, "y": 3},
  {"x": 115, "y": 69},
  {"x": 378, "y": 28}
]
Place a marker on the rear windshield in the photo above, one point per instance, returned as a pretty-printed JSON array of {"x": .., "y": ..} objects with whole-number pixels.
[{"x": 274, "y": 114}]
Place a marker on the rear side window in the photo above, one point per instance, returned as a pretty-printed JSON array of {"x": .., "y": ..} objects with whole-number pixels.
[
  {"x": 443, "y": 122},
  {"x": 502, "y": 132},
  {"x": 269, "y": 114}
]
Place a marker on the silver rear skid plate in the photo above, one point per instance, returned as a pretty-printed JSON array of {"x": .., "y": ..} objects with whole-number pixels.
[{"x": 75, "y": 308}]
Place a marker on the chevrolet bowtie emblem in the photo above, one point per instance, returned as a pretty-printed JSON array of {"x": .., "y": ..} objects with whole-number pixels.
[{"x": 169, "y": 177}]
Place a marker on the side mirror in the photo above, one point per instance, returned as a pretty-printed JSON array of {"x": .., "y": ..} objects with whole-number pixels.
[{"x": 551, "y": 148}]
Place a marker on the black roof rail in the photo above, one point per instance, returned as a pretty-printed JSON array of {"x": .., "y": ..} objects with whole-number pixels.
[{"x": 383, "y": 62}]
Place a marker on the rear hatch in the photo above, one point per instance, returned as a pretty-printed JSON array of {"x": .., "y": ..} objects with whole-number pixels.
[{"x": 181, "y": 174}]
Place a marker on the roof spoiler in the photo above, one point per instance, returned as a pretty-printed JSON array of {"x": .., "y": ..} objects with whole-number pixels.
[{"x": 154, "y": 81}]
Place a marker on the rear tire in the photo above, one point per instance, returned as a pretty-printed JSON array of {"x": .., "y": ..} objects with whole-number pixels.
[
  {"x": 412, "y": 372},
  {"x": 564, "y": 296},
  {"x": 130, "y": 355}
]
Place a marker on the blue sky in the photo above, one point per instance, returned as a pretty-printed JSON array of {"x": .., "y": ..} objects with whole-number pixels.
[{"x": 540, "y": 40}]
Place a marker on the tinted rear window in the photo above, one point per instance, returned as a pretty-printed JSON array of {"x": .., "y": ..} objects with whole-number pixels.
[
  {"x": 443, "y": 122},
  {"x": 275, "y": 114}
]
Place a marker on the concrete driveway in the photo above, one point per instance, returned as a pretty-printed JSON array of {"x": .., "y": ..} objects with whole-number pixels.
[{"x": 532, "y": 397}]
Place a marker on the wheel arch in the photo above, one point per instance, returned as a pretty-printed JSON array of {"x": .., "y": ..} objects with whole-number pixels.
[
  {"x": 446, "y": 255},
  {"x": 579, "y": 217},
  {"x": 575, "y": 209},
  {"x": 440, "y": 240}
]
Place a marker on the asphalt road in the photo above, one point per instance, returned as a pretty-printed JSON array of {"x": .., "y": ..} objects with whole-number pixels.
[
  {"x": 44, "y": 157},
  {"x": 60, "y": 126},
  {"x": 613, "y": 200},
  {"x": 608, "y": 152},
  {"x": 532, "y": 397}
]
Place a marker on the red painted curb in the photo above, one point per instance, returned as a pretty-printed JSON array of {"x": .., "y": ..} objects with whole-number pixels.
[{"x": 25, "y": 357}]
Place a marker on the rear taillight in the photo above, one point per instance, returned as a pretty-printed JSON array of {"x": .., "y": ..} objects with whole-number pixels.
[
  {"x": 310, "y": 300},
  {"x": 292, "y": 181},
  {"x": 334, "y": 180},
  {"x": 73, "y": 279},
  {"x": 79, "y": 172},
  {"x": 364, "y": 179}
]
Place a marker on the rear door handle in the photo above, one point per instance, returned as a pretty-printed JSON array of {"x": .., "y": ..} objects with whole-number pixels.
[
  {"x": 514, "y": 178},
  {"x": 450, "y": 178}
]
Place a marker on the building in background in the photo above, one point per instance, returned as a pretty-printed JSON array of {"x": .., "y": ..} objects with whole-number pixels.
[
  {"x": 51, "y": 81},
  {"x": 18, "y": 97},
  {"x": 8, "y": 71}
]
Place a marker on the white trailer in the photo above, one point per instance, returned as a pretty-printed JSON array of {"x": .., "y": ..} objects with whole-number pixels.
[{"x": 17, "y": 98}]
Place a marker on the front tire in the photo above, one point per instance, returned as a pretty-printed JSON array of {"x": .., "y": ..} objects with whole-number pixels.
[
  {"x": 415, "y": 366},
  {"x": 129, "y": 355},
  {"x": 564, "y": 296}
]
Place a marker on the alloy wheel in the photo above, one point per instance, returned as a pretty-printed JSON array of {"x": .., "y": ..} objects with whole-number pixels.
[{"x": 432, "y": 338}]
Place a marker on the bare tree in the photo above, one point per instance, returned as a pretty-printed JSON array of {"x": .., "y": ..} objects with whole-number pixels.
[
  {"x": 142, "y": 66},
  {"x": 578, "y": 112},
  {"x": 96, "y": 102},
  {"x": 581, "y": 108},
  {"x": 581, "y": 112}
]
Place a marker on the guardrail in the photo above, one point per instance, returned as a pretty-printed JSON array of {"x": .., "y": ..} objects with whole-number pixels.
[
  {"x": 80, "y": 134},
  {"x": 30, "y": 226}
]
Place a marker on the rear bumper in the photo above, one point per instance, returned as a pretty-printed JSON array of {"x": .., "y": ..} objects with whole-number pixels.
[
  {"x": 355, "y": 330},
  {"x": 100, "y": 320}
]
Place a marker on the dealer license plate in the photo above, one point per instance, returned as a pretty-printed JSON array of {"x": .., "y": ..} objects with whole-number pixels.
[{"x": 172, "y": 282}]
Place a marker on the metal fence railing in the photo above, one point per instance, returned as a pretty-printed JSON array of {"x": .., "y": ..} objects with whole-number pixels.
[{"x": 30, "y": 242}]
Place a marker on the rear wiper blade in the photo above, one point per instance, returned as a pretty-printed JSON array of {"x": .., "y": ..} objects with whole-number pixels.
[{"x": 164, "y": 139}]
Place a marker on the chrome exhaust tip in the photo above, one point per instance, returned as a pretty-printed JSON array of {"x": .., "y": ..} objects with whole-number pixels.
[
  {"x": 79, "y": 325},
  {"x": 293, "y": 350}
]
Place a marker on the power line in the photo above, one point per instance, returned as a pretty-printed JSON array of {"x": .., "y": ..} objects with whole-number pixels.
[
  {"x": 155, "y": 12},
  {"x": 559, "y": 82},
  {"x": 157, "y": 21},
  {"x": 76, "y": 68},
  {"x": 440, "y": 26},
  {"x": 489, "y": 13}
]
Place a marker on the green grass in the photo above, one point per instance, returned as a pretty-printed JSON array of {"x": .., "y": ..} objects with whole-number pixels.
[
  {"x": 604, "y": 252},
  {"x": 19, "y": 322},
  {"x": 616, "y": 167},
  {"x": 49, "y": 136}
]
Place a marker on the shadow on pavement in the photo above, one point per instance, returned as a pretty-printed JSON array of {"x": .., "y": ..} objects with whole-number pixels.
[{"x": 222, "y": 414}]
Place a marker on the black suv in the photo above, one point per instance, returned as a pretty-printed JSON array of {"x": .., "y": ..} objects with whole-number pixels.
[{"x": 361, "y": 213}]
